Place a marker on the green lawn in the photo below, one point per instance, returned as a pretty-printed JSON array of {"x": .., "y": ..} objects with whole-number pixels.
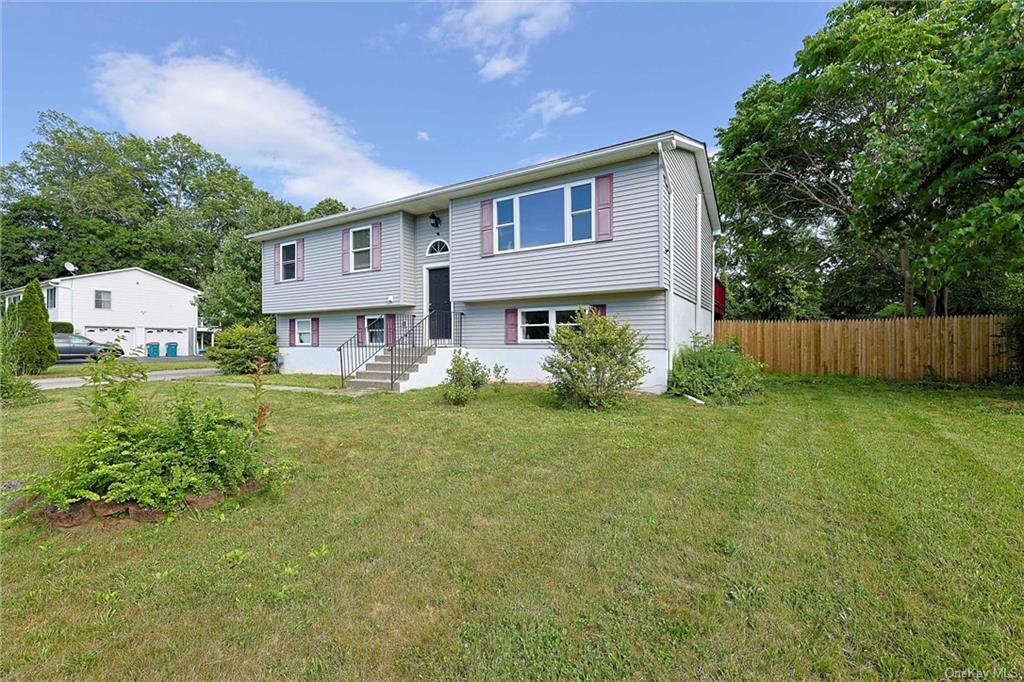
[
  {"x": 305, "y": 380},
  {"x": 839, "y": 529},
  {"x": 82, "y": 368}
]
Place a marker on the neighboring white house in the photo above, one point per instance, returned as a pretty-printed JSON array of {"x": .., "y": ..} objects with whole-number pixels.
[{"x": 132, "y": 304}]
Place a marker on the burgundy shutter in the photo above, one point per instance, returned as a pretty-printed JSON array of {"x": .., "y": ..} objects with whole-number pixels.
[
  {"x": 511, "y": 325},
  {"x": 291, "y": 332},
  {"x": 346, "y": 255},
  {"x": 389, "y": 329},
  {"x": 375, "y": 246},
  {"x": 486, "y": 228},
  {"x": 601, "y": 309},
  {"x": 300, "y": 268},
  {"x": 603, "y": 203},
  {"x": 360, "y": 330},
  {"x": 314, "y": 328},
  {"x": 277, "y": 263}
]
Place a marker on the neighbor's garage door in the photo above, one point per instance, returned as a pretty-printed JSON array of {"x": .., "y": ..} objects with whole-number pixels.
[
  {"x": 123, "y": 336},
  {"x": 163, "y": 336}
]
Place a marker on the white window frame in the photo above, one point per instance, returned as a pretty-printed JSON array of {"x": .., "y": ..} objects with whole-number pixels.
[
  {"x": 447, "y": 248},
  {"x": 552, "y": 314},
  {"x": 383, "y": 328},
  {"x": 51, "y": 292},
  {"x": 294, "y": 261},
  {"x": 11, "y": 300},
  {"x": 299, "y": 332},
  {"x": 566, "y": 218},
  {"x": 110, "y": 299},
  {"x": 352, "y": 249}
]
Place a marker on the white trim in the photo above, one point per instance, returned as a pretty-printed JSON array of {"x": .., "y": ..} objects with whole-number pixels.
[
  {"x": 700, "y": 248},
  {"x": 56, "y": 281},
  {"x": 295, "y": 261},
  {"x": 567, "y": 214},
  {"x": 551, "y": 311},
  {"x": 447, "y": 248},
  {"x": 298, "y": 333},
  {"x": 352, "y": 250},
  {"x": 433, "y": 199}
]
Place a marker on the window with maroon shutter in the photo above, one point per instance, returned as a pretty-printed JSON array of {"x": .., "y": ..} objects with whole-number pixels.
[
  {"x": 486, "y": 228},
  {"x": 300, "y": 267},
  {"x": 303, "y": 331},
  {"x": 375, "y": 246},
  {"x": 346, "y": 252},
  {"x": 315, "y": 327},
  {"x": 511, "y": 325},
  {"x": 603, "y": 192},
  {"x": 389, "y": 327},
  {"x": 291, "y": 332},
  {"x": 360, "y": 330}
]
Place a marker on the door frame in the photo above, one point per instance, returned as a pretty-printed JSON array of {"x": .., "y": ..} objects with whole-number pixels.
[{"x": 426, "y": 287}]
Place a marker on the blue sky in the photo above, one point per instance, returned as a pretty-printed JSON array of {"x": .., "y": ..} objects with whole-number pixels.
[{"x": 367, "y": 102}]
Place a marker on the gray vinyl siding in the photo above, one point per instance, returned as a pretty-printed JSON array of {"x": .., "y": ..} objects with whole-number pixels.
[
  {"x": 408, "y": 257},
  {"x": 707, "y": 257},
  {"x": 682, "y": 168},
  {"x": 629, "y": 261},
  {"x": 425, "y": 234},
  {"x": 324, "y": 287},
  {"x": 484, "y": 323}
]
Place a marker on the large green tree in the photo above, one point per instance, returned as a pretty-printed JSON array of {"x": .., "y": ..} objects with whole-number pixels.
[
  {"x": 35, "y": 348},
  {"x": 816, "y": 153}
]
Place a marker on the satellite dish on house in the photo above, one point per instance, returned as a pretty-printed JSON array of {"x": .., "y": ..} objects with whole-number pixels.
[{"x": 70, "y": 267}]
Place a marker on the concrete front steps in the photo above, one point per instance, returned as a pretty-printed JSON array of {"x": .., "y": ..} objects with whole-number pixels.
[{"x": 376, "y": 374}]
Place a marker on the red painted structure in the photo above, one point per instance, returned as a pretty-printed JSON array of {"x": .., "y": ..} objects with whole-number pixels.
[{"x": 719, "y": 300}]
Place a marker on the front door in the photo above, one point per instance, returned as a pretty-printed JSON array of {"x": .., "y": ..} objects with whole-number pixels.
[{"x": 439, "y": 299}]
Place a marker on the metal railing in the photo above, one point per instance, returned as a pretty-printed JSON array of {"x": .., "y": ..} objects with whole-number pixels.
[
  {"x": 440, "y": 328},
  {"x": 360, "y": 348}
]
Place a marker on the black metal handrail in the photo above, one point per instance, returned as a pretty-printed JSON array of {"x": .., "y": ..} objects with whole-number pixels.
[
  {"x": 438, "y": 328},
  {"x": 352, "y": 354}
]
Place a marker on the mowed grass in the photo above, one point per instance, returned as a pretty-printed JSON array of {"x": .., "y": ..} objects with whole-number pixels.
[
  {"x": 304, "y": 380},
  {"x": 833, "y": 529},
  {"x": 72, "y": 369}
]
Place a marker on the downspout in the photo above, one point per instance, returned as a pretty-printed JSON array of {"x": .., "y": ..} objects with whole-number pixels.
[
  {"x": 700, "y": 255},
  {"x": 665, "y": 185}
]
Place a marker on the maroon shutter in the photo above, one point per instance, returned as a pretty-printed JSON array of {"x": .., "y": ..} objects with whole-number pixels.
[
  {"x": 603, "y": 203},
  {"x": 300, "y": 268},
  {"x": 314, "y": 327},
  {"x": 346, "y": 255},
  {"x": 277, "y": 263},
  {"x": 375, "y": 246},
  {"x": 601, "y": 309},
  {"x": 487, "y": 228},
  {"x": 389, "y": 329},
  {"x": 360, "y": 330},
  {"x": 511, "y": 325},
  {"x": 291, "y": 332}
]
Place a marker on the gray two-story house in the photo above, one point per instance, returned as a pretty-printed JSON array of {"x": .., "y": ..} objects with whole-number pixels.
[{"x": 383, "y": 294}]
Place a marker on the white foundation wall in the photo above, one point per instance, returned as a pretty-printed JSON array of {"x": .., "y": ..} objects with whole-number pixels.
[
  {"x": 296, "y": 360},
  {"x": 684, "y": 322}
]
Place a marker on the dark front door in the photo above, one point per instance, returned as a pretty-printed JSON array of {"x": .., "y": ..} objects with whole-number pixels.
[{"x": 439, "y": 300}]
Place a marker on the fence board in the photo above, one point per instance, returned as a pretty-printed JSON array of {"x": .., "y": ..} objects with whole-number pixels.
[{"x": 967, "y": 348}]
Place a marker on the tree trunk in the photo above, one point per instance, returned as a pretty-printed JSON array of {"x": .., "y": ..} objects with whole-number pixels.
[{"x": 908, "y": 286}]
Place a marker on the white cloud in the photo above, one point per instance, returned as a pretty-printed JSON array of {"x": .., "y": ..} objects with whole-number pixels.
[
  {"x": 501, "y": 33},
  {"x": 549, "y": 106},
  {"x": 423, "y": 136},
  {"x": 252, "y": 118}
]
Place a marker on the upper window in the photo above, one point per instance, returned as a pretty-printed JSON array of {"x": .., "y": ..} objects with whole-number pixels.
[
  {"x": 437, "y": 246},
  {"x": 287, "y": 261},
  {"x": 51, "y": 297},
  {"x": 304, "y": 332},
  {"x": 538, "y": 324},
  {"x": 558, "y": 215},
  {"x": 361, "y": 249},
  {"x": 102, "y": 299}
]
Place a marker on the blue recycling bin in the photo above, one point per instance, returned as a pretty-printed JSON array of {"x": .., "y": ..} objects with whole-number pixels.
[
  {"x": 152, "y": 350},
  {"x": 172, "y": 349}
]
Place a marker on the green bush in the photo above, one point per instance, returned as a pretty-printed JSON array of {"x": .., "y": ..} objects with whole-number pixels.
[
  {"x": 596, "y": 362},
  {"x": 154, "y": 458},
  {"x": 1013, "y": 335},
  {"x": 466, "y": 377},
  {"x": 62, "y": 328},
  {"x": 714, "y": 372},
  {"x": 237, "y": 349},
  {"x": 15, "y": 390},
  {"x": 36, "y": 351}
]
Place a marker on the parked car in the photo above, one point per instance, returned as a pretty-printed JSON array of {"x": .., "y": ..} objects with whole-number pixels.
[{"x": 77, "y": 347}]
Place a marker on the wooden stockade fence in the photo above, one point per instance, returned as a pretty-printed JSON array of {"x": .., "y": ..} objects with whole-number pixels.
[{"x": 966, "y": 348}]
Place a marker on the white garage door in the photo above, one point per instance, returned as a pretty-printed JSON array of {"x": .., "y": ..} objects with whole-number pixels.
[
  {"x": 124, "y": 336},
  {"x": 164, "y": 336}
]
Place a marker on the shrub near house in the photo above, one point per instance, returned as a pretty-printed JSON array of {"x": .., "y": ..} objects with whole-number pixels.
[
  {"x": 717, "y": 372},
  {"x": 239, "y": 348}
]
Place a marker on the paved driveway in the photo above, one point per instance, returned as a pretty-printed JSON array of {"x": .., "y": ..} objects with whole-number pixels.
[{"x": 164, "y": 375}]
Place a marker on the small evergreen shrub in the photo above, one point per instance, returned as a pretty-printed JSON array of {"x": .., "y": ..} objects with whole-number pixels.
[
  {"x": 596, "y": 362},
  {"x": 62, "y": 328},
  {"x": 237, "y": 349},
  {"x": 36, "y": 351},
  {"x": 714, "y": 372},
  {"x": 466, "y": 377},
  {"x": 15, "y": 390}
]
